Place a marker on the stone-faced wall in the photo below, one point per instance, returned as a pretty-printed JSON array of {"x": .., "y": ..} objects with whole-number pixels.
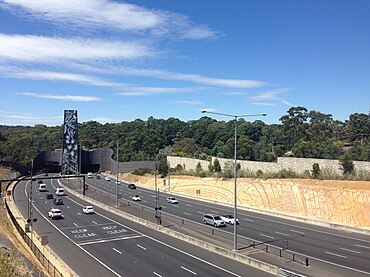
[{"x": 298, "y": 165}]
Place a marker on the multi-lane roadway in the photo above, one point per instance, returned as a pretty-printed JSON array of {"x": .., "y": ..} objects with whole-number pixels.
[
  {"x": 103, "y": 244},
  {"x": 339, "y": 248}
]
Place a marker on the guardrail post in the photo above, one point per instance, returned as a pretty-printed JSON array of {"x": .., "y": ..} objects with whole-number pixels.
[
  {"x": 293, "y": 257},
  {"x": 267, "y": 248},
  {"x": 280, "y": 253},
  {"x": 307, "y": 262}
]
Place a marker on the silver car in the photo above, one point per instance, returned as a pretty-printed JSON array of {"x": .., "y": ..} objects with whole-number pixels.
[{"x": 213, "y": 219}]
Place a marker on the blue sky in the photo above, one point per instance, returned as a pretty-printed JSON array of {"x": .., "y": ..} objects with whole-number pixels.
[{"x": 118, "y": 61}]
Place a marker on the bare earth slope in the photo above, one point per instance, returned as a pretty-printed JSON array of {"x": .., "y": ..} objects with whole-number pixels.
[{"x": 340, "y": 202}]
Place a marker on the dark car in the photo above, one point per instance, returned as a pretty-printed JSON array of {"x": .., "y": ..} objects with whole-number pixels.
[
  {"x": 131, "y": 186},
  {"x": 97, "y": 177},
  {"x": 58, "y": 201},
  {"x": 49, "y": 196},
  {"x": 40, "y": 182}
]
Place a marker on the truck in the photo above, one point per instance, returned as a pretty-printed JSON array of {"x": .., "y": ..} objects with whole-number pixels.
[{"x": 55, "y": 213}]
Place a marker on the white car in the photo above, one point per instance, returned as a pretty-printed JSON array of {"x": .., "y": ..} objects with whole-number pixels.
[
  {"x": 229, "y": 219},
  {"x": 59, "y": 191},
  {"x": 55, "y": 213},
  {"x": 107, "y": 178},
  {"x": 136, "y": 198},
  {"x": 88, "y": 210},
  {"x": 117, "y": 182},
  {"x": 172, "y": 200}
]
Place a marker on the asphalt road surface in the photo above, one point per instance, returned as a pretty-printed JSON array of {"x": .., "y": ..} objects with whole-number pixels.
[
  {"x": 336, "y": 247},
  {"x": 103, "y": 244}
]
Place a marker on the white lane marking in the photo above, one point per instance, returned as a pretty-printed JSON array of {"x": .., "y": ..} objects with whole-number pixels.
[
  {"x": 363, "y": 246},
  {"x": 142, "y": 247},
  {"x": 188, "y": 205},
  {"x": 156, "y": 274},
  {"x": 188, "y": 270},
  {"x": 263, "y": 235},
  {"x": 84, "y": 250},
  {"x": 109, "y": 240},
  {"x": 45, "y": 202},
  {"x": 295, "y": 231},
  {"x": 187, "y": 213},
  {"x": 349, "y": 250},
  {"x": 119, "y": 252},
  {"x": 145, "y": 201},
  {"x": 246, "y": 219},
  {"x": 200, "y": 212},
  {"x": 79, "y": 213},
  {"x": 151, "y": 238},
  {"x": 68, "y": 207},
  {"x": 334, "y": 254},
  {"x": 75, "y": 224},
  {"x": 94, "y": 222},
  {"x": 282, "y": 233}
]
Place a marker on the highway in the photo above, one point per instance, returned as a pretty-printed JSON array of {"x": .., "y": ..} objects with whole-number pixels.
[
  {"x": 345, "y": 249},
  {"x": 103, "y": 244}
]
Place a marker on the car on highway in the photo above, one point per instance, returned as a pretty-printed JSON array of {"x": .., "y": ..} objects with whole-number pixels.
[
  {"x": 136, "y": 198},
  {"x": 59, "y": 191},
  {"x": 229, "y": 219},
  {"x": 49, "y": 196},
  {"x": 172, "y": 200},
  {"x": 89, "y": 175},
  {"x": 107, "y": 178},
  {"x": 97, "y": 176},
  {"x": 55, "y": 213},
  {"x": 58, "y": 201},
  {"x": 131, "y": 186},
  {"x": 117, "y": 182},
  {"x": 42, "y": 187},
  {"x": 45, "y": 174},
  {"x": 88, "y": 210},
  {"x": 213, "y": 219}
]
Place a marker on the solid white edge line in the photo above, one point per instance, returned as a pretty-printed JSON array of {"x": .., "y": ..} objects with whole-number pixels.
[{"x": 156, "y": 274}]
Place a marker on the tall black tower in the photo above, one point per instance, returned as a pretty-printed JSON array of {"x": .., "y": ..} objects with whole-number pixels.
[{"x": 70, "y": 143}]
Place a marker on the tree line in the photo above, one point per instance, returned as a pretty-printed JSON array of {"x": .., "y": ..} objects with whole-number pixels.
[{"x": 300, "y": 133}]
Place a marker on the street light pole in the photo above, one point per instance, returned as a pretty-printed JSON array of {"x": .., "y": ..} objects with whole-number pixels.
[
  {"x": 235, "y": 248},
  {"x": 117, "y": 176}
]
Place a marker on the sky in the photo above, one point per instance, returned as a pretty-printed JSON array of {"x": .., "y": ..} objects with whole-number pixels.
[{"x": 115, "y": 61}]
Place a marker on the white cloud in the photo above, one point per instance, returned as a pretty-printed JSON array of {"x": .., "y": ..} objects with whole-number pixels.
[
  {"x": 103, "y": 120},
  {"x": 110, "y": 14},
  {"x": 187, "y": 102},
  {"x": 27, "y": 119},
  {"x": 39, "y": 49},
  {"x": 75, "y": 98},
  {"x": 264, "y": 104},
  {"x": 144, "y": 91},
  {"x": 233, "y": 93},
  {"x": 289, "y": 104},
  {"x": 59, "y": 76}
]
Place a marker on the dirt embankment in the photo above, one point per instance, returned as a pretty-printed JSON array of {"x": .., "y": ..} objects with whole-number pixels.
[{"x": 340, "y": 202}]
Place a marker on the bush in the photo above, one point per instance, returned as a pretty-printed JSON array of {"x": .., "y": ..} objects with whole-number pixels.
[
  {"x": 142, "y": 171},
  {"x": 259, "y": 173}
]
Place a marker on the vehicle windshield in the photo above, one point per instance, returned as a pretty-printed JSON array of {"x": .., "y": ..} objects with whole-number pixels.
[
  {"x": 229, "y": 216},
  {"x": 217, "y": 218}
]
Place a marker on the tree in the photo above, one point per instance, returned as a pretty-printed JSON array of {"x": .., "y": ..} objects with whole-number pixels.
[
  {"x": 347, "y": 164},
  {"x": 316, "y": 171},
  {"x": 216, "y": 166}
]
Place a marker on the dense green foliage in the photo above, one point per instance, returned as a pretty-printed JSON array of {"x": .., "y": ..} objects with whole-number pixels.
[{"x": 308, "y": 134}]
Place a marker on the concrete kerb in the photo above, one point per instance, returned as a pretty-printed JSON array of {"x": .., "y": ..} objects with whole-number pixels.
[
  {"x": 205, "y": 245},
  {"x": 54, "y": 259}
]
